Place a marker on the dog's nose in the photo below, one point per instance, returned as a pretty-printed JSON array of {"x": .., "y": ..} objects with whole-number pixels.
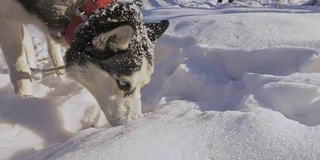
[
  {"x": 114, "y": 122},
  {"x": 117, "y": 121}
]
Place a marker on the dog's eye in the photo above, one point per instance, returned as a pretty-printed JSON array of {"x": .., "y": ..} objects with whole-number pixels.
[{"x": 123, "y": 85}]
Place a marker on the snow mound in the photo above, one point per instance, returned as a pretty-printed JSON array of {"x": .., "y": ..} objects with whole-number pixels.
[
  {"x": 185, "y": 133},
  {"x": 30, "y": 124},
  {"x": 232, "y": 29},
  {"x": 229, "y": 83}
]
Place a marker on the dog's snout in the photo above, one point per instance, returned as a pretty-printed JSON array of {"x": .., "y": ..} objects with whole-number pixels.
[
  {"x": 118, "y": 120},
  {"x": 124, "y": 114},
  {"x": 115, "y": 122}
]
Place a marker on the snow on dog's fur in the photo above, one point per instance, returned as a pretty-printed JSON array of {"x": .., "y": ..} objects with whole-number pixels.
[{"x": 111, "y": 54}]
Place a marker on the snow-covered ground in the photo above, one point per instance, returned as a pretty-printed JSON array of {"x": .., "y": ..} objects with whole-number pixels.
[{"x": 230, "y": 82}]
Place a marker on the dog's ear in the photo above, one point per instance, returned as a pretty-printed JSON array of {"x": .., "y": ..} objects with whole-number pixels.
[
  {"x": 155, "y": 30},
  {"x": 116, "y": 39}
]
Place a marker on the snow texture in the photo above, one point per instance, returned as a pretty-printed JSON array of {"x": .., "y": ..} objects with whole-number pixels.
[{"x": 237, "y": 81}]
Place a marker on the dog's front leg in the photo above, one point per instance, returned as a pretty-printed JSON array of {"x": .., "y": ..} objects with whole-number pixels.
[
  {"x": 28, "y": 48},
  {"x": 54, "y": 52},
  {"x": 12, "y": 41}
]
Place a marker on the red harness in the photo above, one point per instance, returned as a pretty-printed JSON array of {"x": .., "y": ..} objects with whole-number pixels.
[{"x": 82, "y": 13}]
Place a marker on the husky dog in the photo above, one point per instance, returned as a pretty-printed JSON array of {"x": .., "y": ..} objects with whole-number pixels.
[{"x": 111, "y": 52}]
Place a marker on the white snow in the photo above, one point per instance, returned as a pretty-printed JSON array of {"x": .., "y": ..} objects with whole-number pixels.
[{"x": 230, "y": 82}]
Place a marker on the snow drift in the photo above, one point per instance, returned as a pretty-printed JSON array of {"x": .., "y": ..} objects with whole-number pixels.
[{"x": 231, "y": 83}]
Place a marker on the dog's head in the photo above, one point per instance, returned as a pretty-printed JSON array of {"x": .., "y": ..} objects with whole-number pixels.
[{"x": 111, "y": 55}]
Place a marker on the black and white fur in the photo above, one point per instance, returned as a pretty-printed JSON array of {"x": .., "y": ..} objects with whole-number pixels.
[{"x": 111, "y": 54}]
